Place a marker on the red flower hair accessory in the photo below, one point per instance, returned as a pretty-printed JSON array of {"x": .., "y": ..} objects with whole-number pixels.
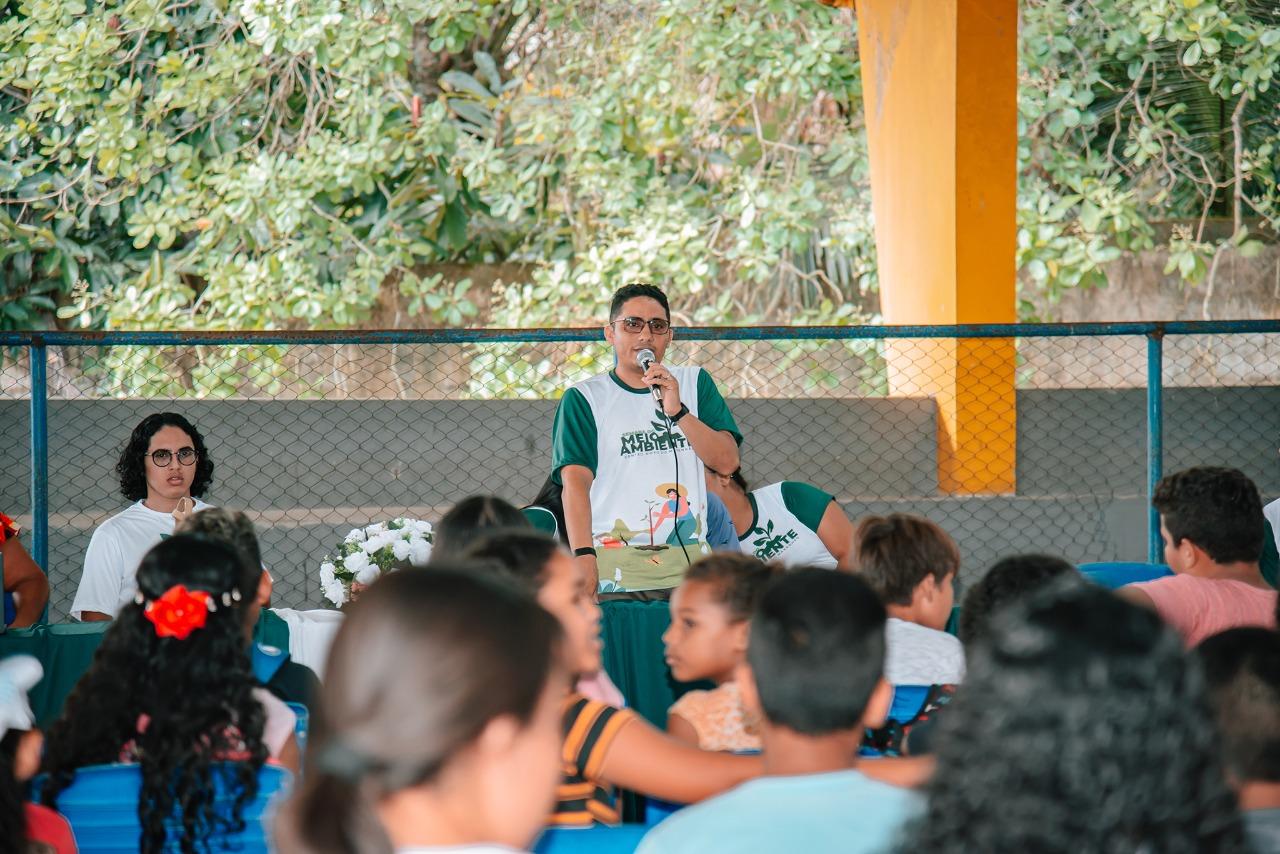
[{"x": 179, "y": 612}]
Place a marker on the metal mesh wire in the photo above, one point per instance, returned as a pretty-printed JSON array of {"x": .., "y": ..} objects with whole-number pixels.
[{"x": 313, "y": 439}]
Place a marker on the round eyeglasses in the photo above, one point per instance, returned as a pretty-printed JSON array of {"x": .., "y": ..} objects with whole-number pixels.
[{"x": 162, "y": 458}]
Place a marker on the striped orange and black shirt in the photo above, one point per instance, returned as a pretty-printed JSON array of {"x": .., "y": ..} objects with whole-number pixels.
[{"x": 589, "y": 730}]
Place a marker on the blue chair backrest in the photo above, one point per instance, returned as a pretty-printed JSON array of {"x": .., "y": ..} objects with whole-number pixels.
[
  {"x": 907, "y": 701},
  {"x": 591, "y": 840},
  {"x": 303, "y": 724},
  {"x": 102, "y": 806},
  {"x": 1119, "y": 573}
]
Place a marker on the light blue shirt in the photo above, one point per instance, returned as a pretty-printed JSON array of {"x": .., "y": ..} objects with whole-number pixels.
[
  {"x": 720, "y": 533},
  {"x": 842, "y": 811}
]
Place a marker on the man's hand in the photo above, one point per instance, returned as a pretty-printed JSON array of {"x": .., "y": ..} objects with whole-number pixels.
[
  {"x": 183, "y": 511},
  {"x": 659, "y": 377}
]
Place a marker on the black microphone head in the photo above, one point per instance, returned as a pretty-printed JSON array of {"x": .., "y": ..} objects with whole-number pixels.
[{"x": 645, "y": 358}]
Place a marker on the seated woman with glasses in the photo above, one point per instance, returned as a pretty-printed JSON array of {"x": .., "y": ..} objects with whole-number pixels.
[{"x": 164, "y": 468}]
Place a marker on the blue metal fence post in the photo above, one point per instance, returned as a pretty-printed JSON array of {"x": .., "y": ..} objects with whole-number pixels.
[
  {"x": 1155, "y": 439},
  {"x": 40, "y": 453}
]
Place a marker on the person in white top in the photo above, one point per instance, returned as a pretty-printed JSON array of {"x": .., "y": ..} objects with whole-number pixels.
[
  {"x": 164, "y": 468},
  {"x": 912, "y": 564},
  {"x": 791, "y": 522},
  {"x": 442, "y": 705}
]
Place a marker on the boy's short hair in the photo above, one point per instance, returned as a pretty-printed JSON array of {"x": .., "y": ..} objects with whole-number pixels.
[
  {"x": 1242, "y": 668},
  {"x": 1006, "y": 582},
  {"x": 637, "y": 289},
  {"x": 817, "y": 650},
  {"x": 1217, "y": 509},
  {"x": 895, "y": 553}
]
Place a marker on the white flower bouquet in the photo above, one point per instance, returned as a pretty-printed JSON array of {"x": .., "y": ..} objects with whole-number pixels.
[{"x": 366, "y": 553}]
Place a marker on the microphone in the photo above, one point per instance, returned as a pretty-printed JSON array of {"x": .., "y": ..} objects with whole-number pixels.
[{"x": 645, "y": 360}]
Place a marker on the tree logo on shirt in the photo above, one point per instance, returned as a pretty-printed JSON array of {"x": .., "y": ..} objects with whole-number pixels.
[
  {"x": 769, "y": 545},
  {"x": 654, "y": 441}
]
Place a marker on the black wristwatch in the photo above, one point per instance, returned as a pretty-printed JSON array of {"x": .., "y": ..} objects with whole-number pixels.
[
  {"x": 684, "y": 410},
  {"x": 584, "y": 551}
]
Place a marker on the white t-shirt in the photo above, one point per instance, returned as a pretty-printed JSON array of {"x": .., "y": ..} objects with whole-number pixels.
[
  {"x": 115, "y": 550},
  {"x": 640, "y": 531},
  {"x": 919, "y": 655},
  {"x": 784, "y": 525}
]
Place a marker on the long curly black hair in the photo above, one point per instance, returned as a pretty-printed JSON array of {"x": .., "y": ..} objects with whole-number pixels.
[
  {"x": 132, "y": 465},
  {"x": 1080, "y": 727},
  {"x": 196, "y": 693}
]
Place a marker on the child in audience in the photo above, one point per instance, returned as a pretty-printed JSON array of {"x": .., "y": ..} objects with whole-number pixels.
[
  {"x": 604, "y": 746},
  {"x": 1080, "y": 727},
  {"x": 25, "y": 828},
  {"x": 171, "y": 689},
  {"x": 816, "y": 659},
  {"x": 707, "y": 640},
  {"x": 1242, "y": 667},
  {"x": 288, "y": 680},
  {"x": 441, "y": 709},
  {"x": 911, "y": 564},
  {"x": 1008, "y": 581},
  {"x": 470, "y": 518},
  {"x": 1212, "y": 525}
]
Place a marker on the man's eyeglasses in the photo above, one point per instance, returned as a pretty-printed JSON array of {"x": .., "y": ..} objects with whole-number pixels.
[
  {"x": 186, "y": 457},
  {"x": 657, "y": 325}
]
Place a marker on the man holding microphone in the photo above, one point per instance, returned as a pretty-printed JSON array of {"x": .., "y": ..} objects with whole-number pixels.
[{"x": 623, "y": 442}]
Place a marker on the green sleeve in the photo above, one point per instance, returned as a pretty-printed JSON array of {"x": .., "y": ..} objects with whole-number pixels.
[
  {"x": 573, "y": 434},
  {"x": 1270, "y": 563},
  {"x": 808, "y": 502},
  {"x": 712, "y": 410}
]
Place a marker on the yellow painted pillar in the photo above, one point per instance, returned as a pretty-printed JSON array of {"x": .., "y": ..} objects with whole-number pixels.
[{"x": 940, "y": 89}]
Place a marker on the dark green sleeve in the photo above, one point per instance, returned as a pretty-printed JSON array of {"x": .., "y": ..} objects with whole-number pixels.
[
  {"x": 573, "y": 434},
  {"x": 1270, "y": 563},
  {"x": 712, "y": 410},
  {"x": 808, "y": 502}
]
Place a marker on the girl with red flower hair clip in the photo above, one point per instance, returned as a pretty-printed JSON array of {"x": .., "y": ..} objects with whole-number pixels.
[
  {"x": 172, "y": 689},
  {"x": 23, "y": 578}
]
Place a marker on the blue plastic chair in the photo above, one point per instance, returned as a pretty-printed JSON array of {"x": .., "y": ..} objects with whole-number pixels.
[
  {"x": 300, "y": 728},
  {"x": 101, "y": 805},
  {"x": 623, "y": 839},
  {"x": 1118, "y": 574}
]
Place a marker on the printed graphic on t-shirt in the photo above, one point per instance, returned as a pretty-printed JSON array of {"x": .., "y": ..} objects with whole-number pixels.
[
  {"x": 769, "y": 543},
  {"x": 635, "y": 548},
  {"x": 659, "y": 440}
]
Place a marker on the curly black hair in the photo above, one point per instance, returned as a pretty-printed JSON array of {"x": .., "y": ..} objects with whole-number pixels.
[
  {"x": 196, "y": 692},
  {"x": 1006, "y": 582},
  {"x": 132, "y": 465},
  {"x": 1080, "y": 727}
]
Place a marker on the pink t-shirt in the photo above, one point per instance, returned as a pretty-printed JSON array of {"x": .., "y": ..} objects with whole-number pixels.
[{"x": 1201, "y": 607}]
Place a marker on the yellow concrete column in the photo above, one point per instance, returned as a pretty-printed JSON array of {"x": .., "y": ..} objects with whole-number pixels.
[{"x": 940, "y": 89}]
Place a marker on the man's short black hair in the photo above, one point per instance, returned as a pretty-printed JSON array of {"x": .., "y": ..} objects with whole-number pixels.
[
  {"x": 1217, "y": 509},
  {"x": 1242, "y": 668},
  {"x": 132, "y": 465},
  {"x": 637, "y": 289},
  {"x": 1006, "y": 582},
  {"x": 817, "y": 650}
]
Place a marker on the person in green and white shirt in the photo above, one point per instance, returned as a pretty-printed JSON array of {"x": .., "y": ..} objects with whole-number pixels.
[
  {"x": 795, "y": 523},
  {"x": 635, "y": 505}
]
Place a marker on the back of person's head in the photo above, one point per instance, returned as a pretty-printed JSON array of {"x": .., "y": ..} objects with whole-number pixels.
[
  {"x": 521, "y": 554},
  {"x": 637, "y": 289},
  {"x": 235, "y": 529},
  {"x": 1006, "y": 582},
  {"x": 131, "y": 467},
  {"x": 895, "y": 553},
  {"x": 1079, "y": 727},
  {"x": 423, "y": 665},
  {"x": 176, "y": 655},
  {"x": 1242, "y": 667},
  {"x": 817, "y": 650},
  {"x": 1217, "y": 509},
  {"x": 736, "y": 580},
  {"x": 467, "y": 519}
]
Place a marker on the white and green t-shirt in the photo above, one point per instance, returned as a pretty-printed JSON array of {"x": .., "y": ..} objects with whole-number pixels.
[
  {"x": 640, "y": 516},
  {"x": 784, "y": 525}
]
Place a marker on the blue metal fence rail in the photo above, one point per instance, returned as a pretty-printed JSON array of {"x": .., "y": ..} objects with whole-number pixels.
[{"x": 37, "y": 343}]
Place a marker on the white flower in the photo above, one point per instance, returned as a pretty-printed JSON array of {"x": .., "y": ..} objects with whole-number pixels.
[
  {"x": 372, "y": 544},
  {"x": 353, "y": 563},
  {"x": 327, "y": 576},
  {"x": 419, "y": 552},
  {"x": 335, "y": 592},
  {"x": 369, "y": 574},
  {"x": 355, "y": 536},
  {"x": 400, "y": 548}
]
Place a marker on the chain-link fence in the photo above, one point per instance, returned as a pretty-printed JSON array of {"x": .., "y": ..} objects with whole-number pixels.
[{"x": 1012, "y": 438}]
